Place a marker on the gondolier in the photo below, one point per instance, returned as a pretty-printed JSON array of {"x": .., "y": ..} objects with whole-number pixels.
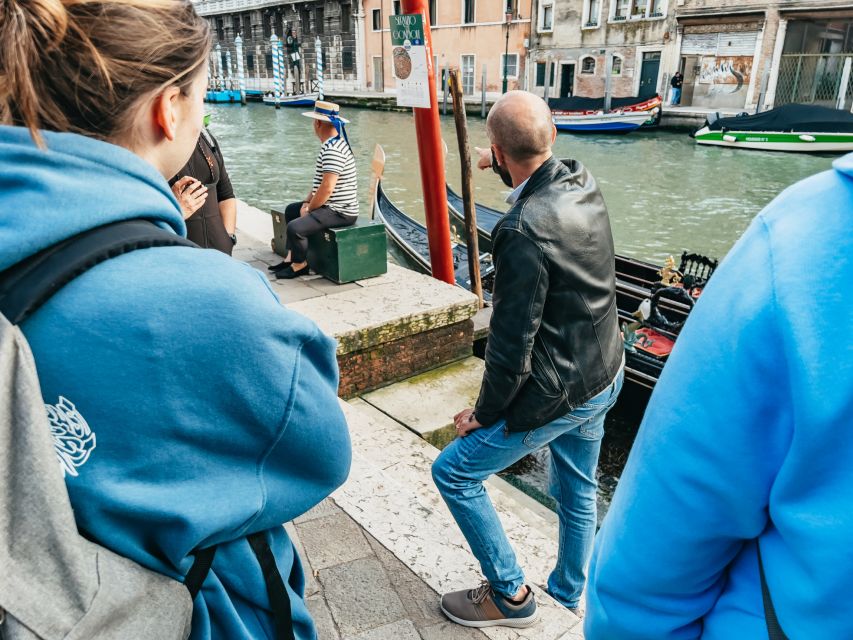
[
  {"x": 333, "y": 199},
  {"x": 554, "y": 365}
]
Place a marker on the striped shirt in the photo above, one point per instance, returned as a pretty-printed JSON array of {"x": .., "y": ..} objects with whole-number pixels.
[{"x": 336, "y": 157}]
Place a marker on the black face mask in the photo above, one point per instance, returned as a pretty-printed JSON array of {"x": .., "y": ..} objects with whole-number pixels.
[{"x": 501, "y": 171}]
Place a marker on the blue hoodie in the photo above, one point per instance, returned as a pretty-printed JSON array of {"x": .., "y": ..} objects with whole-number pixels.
[
  {"x": 189, "y": 407},
  {"x": 747, "y": 437}
]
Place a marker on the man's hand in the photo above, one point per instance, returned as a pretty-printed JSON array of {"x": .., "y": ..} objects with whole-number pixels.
[
  {"x": 466, "y": 422},
  {"x": 485, "y": 160},
  {"x": 190, "y": 193}
]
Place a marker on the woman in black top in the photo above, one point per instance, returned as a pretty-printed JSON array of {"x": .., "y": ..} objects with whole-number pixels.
[{"x": 204, "y": 192}]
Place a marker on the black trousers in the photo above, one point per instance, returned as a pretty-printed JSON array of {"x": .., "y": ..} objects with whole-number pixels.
[{"x": 300, "y": 228}]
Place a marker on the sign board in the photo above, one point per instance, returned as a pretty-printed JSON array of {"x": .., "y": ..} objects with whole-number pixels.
[{"x": 409, "y": 60}]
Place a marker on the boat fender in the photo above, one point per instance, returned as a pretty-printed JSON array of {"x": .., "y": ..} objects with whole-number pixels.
[
  {"x": 729, "y": 138},
  {"x": 806, "y": 137}
]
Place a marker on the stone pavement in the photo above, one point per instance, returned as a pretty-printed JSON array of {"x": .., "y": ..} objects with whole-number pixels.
[{"x": 358, "y": 590}]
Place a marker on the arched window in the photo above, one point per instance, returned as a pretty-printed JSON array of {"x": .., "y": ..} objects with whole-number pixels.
[{"x": 588, "y": 65}]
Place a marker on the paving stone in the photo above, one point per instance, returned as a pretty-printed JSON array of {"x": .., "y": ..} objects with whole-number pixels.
[
  {"x": 291, "y": 291},
  {"x": 400, "y": 630},
  {"x": 360, "y": 596},
  {"x": 325, "y": 508},
  {"x": 312, "y": 587},
  {"x": 331, "y": 288},
  {"x": 418, "y": 598},
  {"x": 451, "y": 631},
  {"x": 332, "y": 540},
  {"x": 319, "y": 610}
]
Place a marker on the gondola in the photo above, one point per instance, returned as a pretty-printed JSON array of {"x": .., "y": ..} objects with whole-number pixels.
[{"x": 668, "y": 307}]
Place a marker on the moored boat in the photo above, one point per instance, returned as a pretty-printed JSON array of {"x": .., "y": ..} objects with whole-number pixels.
[
  {"x": 792, "y": 127},
  {"x": 611, "y": 122},
  {"x": 578, "y": 114},
  {"x": 223, "y": 96},
  {"x": 297, "y": 100}
]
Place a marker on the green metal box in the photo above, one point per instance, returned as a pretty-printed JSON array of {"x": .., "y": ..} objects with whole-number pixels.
[{"x": 342, "y": 255}]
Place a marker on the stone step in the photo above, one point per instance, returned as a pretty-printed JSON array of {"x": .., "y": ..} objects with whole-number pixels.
[{"x": 391, "y": 495}]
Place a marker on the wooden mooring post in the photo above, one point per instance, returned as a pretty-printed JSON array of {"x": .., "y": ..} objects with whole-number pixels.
[{"x": 461, "y": 120}]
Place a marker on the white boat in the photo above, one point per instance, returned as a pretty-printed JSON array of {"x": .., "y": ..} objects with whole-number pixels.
[
  {"x": 612, "y": 122},
  {"x": 298, "y": 100}
]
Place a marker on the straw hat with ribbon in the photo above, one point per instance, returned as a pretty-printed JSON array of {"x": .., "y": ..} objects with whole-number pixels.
[{"x": 329, "y": 112}]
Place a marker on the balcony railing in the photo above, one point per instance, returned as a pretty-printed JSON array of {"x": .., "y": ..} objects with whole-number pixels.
[
  {"x": 619, "y": 18},
  {"x": 591, "y": 24}
]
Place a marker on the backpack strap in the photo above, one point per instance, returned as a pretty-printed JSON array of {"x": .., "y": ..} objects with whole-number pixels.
[
  {"x": 276, "y": 590},
  {"x": 774, "y": 629},
  {"x": 31, "y": 282}
]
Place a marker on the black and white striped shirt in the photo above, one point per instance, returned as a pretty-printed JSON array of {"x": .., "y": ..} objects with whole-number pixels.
[{"x": 336, "y": 157}]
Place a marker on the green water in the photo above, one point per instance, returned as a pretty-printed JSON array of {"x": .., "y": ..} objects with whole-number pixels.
[{"x": 664, "y": 192}]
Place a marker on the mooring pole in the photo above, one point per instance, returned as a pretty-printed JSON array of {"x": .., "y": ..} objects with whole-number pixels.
[
  {"x": 467, "y": 186},
  {"x": 431, "y": 155}
]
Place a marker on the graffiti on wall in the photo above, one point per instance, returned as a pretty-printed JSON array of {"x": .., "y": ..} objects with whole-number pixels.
[{"x": 732, "y": 70}]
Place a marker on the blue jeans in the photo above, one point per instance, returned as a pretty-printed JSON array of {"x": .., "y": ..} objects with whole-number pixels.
[
  {"x": 575, "y": 442},
  {"x": 675, "y": 96}
]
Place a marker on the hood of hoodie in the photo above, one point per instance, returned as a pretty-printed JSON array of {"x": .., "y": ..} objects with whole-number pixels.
[{"x": 74, "y": 184}]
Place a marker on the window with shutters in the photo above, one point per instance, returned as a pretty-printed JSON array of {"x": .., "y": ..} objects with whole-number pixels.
[
  {"x": 346, "y": 22},
  {"x": 546, "y": 17},
  {"x": 346, "y": 60},
  {"x": 540, "y": 74},
  {"x": 469, "y": 11},
  {"x": 398, "y": 11},
  {"x": 588, "y": 65},
  {"x": 377, "y": 19},
  {"x": 318, "y": 20},
  {"x": 433, "y": 14}
]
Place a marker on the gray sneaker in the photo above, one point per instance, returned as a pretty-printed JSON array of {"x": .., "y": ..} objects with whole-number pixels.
[{"x": 482, "y": 607}]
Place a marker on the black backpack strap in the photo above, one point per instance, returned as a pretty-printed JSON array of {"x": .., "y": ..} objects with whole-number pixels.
[
  {"x": 30, "y": 283},
  {"x": 774, "y": 629},
  {"x": 276, "y": 591},
  {"x": 198, "y": 572}
]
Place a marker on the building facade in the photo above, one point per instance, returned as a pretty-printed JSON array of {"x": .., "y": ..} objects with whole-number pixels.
[
  {"x": 572, "y": 40},
  {"x": 750, "y": 54},
  {"x": 335, "y": 25},
  {"x": 468, "y": 35}
]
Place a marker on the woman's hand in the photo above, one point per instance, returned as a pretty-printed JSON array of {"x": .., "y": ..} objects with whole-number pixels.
[
  {"x": 303, "y": 211},
  {"x": 465, "y": 422},
  {"x": 191, "y": 195}
]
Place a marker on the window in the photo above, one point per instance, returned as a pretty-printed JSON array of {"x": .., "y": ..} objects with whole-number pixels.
[
  {"x": 621, "y": 10},
  {"x": 540, "y": 74},
  {"x": 377, "y": 19},
  {"x": 616, "y": 68},
  {"x": 509, "y": 6},
  {"x": 468, "y": 75},
  {"x": 593, "y": 8},
  {"x": 250, "y": 61},
  {"x": 266, "y": 21},
  {"x": 247, "y": 26},
  {"x": 638, "y": 8},
  {"x": 220, "y": 28},
  {"x": 588, "y": 65},
  {"x": 433, "y": 14},
  {"x": 398, "y": 11},
  {"x": 268, "y": 62},
  {"x": 511, "y": 68},
  {"x": 346, "y": 60},
  {"x": 469, "y": 11},
  {"x": 346, "y": 23},
  {"x": 318, "y": 20},
  {"x": 546, "y": 22},
  {"x": 235, "y": 24},
  {"x": 656, "y": 9},
  {"x": 306, "y": 21}
]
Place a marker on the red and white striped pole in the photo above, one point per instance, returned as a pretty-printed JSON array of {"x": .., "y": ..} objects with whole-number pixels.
[{"x": 431, "y": 156}]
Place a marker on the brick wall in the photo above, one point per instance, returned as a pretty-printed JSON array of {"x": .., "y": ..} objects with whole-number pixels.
[{"x": 397, "y": 360}]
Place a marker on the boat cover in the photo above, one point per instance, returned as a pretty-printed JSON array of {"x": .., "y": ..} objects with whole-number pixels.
[
  {"x": 790, "y": 117},
  {"x": 579, "y": 103}
]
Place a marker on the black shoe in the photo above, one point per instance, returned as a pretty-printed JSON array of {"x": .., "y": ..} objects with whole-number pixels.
[
  {"x": 278, "y": 267},
  {"x": 289, "y": 273}
]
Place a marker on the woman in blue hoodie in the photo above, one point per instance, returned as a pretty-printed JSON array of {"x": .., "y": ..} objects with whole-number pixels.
[{"x": 201, "y": 410}]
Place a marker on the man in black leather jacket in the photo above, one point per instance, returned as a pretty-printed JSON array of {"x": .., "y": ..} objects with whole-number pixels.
[{"x": 553, "y": 364}]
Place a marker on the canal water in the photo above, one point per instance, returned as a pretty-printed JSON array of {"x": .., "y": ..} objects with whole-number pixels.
[{"x": 665, "y": 194}]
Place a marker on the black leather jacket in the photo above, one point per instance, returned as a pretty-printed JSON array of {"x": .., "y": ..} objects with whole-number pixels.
[{"x": 554, "y": 338}]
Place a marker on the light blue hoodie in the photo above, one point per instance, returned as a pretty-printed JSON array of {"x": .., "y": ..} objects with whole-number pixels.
[
  {"x": 195, "y": 408},
  {"x": 748, "y": 435}
]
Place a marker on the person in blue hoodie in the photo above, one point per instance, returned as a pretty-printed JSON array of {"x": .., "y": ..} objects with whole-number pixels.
[
  {"x": 193, "y": 411},
  {"x": 745, "y": 446}
]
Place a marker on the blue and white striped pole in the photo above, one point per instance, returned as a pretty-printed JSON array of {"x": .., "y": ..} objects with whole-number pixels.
[
  {"x": 229, "y": 75},
  {"x": 241, "y": 80},
  {"x": 282, "y": 68},
  {"x": 218, "y": 65},
  {"x": 276, "y": 73},
  {"x": 318, "y": 48}
]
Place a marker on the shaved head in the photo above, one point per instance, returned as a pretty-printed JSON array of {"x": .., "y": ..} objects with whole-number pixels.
[{"x": 520, "y": 124}]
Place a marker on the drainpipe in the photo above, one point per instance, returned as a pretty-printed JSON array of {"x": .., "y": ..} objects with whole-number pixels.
[{"x": 770, "y": 98}]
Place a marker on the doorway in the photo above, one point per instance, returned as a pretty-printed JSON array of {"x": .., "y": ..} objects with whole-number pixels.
[
  {"x": 567, "y": 80},
  {"x": 378, "y": 75},
  {"x": 649, "y": 74}
]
